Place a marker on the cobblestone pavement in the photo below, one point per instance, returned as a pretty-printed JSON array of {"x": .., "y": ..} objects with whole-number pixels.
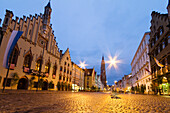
[{"x": 70, "y": 102}]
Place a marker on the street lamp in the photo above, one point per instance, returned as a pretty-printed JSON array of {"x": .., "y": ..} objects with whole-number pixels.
[
  {"x": 83, "y": 66},
  {"x": 113, "y": 62}
]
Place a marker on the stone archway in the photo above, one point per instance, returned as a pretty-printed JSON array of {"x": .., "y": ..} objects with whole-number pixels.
[
  {"x": 23, "y": 83},
  {"x": 45, "y": 85}
]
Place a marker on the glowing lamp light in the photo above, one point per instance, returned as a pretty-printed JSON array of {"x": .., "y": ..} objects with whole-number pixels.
[
  {"x": 83, "y": 64},
  {"x": 113, "y": 62}
]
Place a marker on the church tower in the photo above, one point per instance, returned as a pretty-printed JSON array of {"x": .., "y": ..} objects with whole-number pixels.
[
  {"x": 47, "y": 16},
  {"x": 103, "y": 72}
]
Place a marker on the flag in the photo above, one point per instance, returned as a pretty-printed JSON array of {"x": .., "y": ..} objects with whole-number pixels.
[
  {"x": 147, "y": 70},
  {"x": 157, "y": 62},
  {"x": 15, "y": 35}
]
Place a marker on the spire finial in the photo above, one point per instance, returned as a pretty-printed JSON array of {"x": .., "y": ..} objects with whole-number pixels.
[{"x": 102, "y": 57}]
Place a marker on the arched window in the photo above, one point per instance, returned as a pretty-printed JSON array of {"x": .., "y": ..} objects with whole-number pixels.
[
  {"x": 37, "y": 67},
  {"x": 47, "y": 67},
  {"x": 27, "y": 61},
  {"x": 54, "y": 69},
  {"x": 14, "y": 57}
]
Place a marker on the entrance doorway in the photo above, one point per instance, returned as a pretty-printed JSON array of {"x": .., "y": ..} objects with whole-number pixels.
[
  {"x": 45, "y": 85},
  {"x": 23, "y": 83}
]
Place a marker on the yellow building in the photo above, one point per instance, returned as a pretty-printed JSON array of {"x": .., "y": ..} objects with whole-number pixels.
[
  {"x": 65, "y": 76},
  {"x": 36, "y": 44},
  {"x": 78, "y": 77},
  {"x": 89, "y": 79}
]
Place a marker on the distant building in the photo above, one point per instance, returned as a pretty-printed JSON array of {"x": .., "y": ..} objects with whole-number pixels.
[
  {"x": 65, "y": 75},
  {"x": 126, "y": 83},
  {"x": 103, "y": 73},
  {"x": 78, "y": 77},
  {"x": 89, "y": 78},
  {"x": 141, "y": 65},
  {"x": 159, "y": 48}
]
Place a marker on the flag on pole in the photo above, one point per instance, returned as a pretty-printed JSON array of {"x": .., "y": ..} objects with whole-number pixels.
[
  {"x": 147, "y": 70},
  {"x": 11, "y": 44},
  {"x": 157, "y": 62}
]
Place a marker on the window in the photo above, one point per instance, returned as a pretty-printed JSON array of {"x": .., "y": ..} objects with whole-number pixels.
[
  {"x": 65, "y": 63},
  {"x": 27, "y": 61},
  {"x": 54, "y": 69},
  {"x": 14, "y": 56},
  {"x": 47, "y": 67},
  {"x": 61, "y": 68},
  {"x": 70, "y": 72},
  {"x": 68, "y": 64},
  {"x": 64, "y": 70},
  {"x": 169, "y": 39},
  {"x": 37, "y": 67},
  {"x": 87, "y": 78},
  {"x": 64, "y": 78},
  {"x": 156, "y": 37},
  {"x": 8, "y": 83},
  {"x": 161, "y": 31},
  {"x": 163, "y": 45},
  {"x": 67, "y": 71},
  {"x": 67, "y": 58}
]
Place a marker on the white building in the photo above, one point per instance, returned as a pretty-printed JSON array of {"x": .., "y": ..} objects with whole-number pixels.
[{"x": 141, "y": 65}]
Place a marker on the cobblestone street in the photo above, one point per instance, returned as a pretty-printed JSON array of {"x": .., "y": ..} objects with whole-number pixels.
[{"x": 63, "y": 102}]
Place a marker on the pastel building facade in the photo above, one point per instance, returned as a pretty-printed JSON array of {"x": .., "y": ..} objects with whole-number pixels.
[{"x": 141, "y": 65}]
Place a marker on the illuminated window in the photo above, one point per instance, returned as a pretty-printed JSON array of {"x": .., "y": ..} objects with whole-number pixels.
[
  {"x": 27, "y": 61},
  {"x": 47, "y": 68},
  {"x": 37, "y": 67},
  {"x": 14, "y": 56}
]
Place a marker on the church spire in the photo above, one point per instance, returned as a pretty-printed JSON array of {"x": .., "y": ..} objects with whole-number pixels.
[
  {"x": 47, "y": 15},
  {"x": 103, "y": 57},
  {"x": 48, "y": 5}
]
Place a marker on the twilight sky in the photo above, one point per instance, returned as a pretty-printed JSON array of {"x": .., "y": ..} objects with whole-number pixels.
[{"x": 92, "y": 28}]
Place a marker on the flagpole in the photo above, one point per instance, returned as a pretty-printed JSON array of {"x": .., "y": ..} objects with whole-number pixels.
[{"x": 3, "y": 90}]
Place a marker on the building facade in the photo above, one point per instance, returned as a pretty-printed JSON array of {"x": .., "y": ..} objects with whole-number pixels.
[
  {"x": 89, "y": 79},
  {"x": 65, "y": 74},
  {"x": 36, "y": 61},
  {"x": 78, "y": 77},
  {"x": 159, "y": 50},
  {"x": 141, "y": 65}
]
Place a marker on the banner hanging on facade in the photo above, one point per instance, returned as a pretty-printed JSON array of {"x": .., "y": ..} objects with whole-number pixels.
[{"x": 10, "y": 46}]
